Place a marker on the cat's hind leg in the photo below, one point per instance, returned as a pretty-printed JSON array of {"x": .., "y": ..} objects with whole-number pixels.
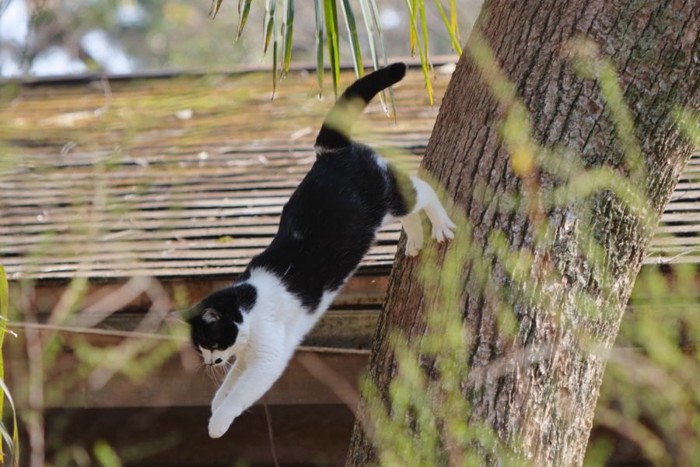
[
  {"x": 427, "y": 200},
  {"x": 414, "y": 233}
]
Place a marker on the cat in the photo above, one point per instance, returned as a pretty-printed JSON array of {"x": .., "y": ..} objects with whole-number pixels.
[{"x": 326, "y": 227}]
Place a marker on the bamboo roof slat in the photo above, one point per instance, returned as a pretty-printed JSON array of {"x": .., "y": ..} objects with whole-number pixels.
[{"x": 180, "y": 176}]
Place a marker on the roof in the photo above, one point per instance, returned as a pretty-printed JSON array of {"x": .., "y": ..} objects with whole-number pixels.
[
  {"x": 185, "y": 176},
  {"x": 171, "y": 177}
]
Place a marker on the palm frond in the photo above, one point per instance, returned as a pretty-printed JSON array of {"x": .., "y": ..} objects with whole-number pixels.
[
  {"x": 371, "y": 15},
  {"x": 354, "y": 40},
  {"x": 243, "y": 11},
  {"x": 331, "y": 15},
  {"x": 423, "y": 58},
  {"x": 372, "y": 31},
  {"x": 287, "y": 34},
  {"x": 424, "y": 31},
  {"x": 454, "y": 24},
  {"x": 274, "y": 65},
  {"x": 214, "y": 9},
  {"x": 319, "y": 46},
  {"x": 11, "y": 441},
  {"x": 450, "y": 25},
  {"x": 269, "y": 25},
  {"x": 413, "y": 36},
  {"x": 328, "y": 36}
]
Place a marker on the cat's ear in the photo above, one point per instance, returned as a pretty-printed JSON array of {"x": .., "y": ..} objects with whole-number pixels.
[{"x": 211, "y": 316}]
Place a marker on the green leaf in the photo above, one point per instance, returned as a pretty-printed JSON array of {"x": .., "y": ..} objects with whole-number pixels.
[
  {"x": 371, "y": 15},
  {"x": 331, "y": 16},
  {"x": 413, "y": 36},
  {"x": 214, "y": 9},
  {"x": 11, "y": 441},
  {"x": 354, "y": 40},
  {"x": 371, "y": 27},
  {"x": 319, "y": 46},
  {"x": 287, "y": 33},
  {"x": 423, "y": 58},
  {"x": 424, "y": 28},
  {"x": 274, "y": 65},
  {"x": 106, "y": 455},
  {"x": 269, "y": 25},
  {"x": 243, "y": 11},
  {"x": 450, "y": 26},
  {"x": 453, "y": 21}
]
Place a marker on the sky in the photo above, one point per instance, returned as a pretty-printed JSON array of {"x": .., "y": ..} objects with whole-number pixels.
[{"x": 54, "y": 60}]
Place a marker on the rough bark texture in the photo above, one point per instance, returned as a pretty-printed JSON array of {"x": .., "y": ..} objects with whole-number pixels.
[{"x": 548, "y": 403}]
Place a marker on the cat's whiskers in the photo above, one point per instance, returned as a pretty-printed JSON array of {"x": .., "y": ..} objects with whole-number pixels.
[{"x": 208, "y": 371}]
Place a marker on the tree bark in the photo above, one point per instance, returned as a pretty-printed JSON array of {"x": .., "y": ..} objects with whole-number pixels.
[{"x": 542, "y": 408}]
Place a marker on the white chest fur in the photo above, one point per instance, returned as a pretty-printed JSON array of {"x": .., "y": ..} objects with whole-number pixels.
[{"x": 269, "y": 334}]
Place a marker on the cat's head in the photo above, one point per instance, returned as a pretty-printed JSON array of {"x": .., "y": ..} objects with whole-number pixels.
[{"x": 218, "y": 323}]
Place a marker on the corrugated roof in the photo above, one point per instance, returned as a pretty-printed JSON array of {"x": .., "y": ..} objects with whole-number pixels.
[{"x": 186, "y": 176}]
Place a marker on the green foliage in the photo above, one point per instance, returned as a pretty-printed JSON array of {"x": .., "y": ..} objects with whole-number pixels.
[
  {"x": 7, "y": 439},
  {"x": 650, "y": 391},
  {"x": 328, "y": 30},
  {"x": 331, "y": 15},
  {"x": 132, "y": 356},
  {"x": 105, "y": 455}
]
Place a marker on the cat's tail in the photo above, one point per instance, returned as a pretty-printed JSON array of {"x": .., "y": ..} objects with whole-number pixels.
[{"x": 335, "y": 132}]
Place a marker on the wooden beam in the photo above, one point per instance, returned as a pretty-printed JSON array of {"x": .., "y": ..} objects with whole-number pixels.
[
  {"x": 314, "y": 376},
  {"x": 107, "y": 297}
]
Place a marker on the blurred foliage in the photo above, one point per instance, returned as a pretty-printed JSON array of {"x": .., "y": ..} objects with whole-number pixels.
[
  {"x": 651, "y": 390},
  {"x": 650, "y": 394},
  {"x": 9, "y": 438}
]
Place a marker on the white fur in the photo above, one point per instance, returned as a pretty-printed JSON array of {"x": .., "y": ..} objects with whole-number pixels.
[
  {"x": 210, "y": 316},
  {"x": 426, "y": 200},
  {"x": 278, "y": 322},
  {"x": 274, "y": 327}
]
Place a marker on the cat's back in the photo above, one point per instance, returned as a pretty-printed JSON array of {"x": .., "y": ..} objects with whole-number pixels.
[{"x": 347, "y": 186}]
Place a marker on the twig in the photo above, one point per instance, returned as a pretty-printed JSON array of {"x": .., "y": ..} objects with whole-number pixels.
[
  {"x": 345, "y": 391},
  {"x": 270, "y": 433},
  {"x": 97, "y": 332}
]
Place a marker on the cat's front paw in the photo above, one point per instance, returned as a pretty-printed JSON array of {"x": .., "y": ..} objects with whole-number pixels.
[
  {"x": 221, "y": 420},
  {"x": 219, "y": 398},
  {"x": 443, "y": 229}
]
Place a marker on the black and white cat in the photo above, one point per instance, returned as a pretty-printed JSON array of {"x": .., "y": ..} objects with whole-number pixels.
[{"x": 327, "y": 226}]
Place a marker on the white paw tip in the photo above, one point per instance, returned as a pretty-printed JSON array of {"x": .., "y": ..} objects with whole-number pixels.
[
  {"x": 443, "y": 234},
  {"x": 217, "y": 428},
  {"x": 413, "y": 247},
  {"x": 215, "y": 434},
  {"x": 412, "y": 252}
]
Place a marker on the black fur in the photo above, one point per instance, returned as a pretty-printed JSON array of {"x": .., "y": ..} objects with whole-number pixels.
[
  {"x": 227, "y": 306},
  {"x": 330, "y": 221},
  {"x": 335, "y": 131}
]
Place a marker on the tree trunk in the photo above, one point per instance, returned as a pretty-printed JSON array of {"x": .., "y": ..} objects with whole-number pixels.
[{"x": 542, "y": 407}]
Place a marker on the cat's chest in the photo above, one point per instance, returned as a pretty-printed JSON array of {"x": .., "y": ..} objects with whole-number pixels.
[{"x": 288, "y": 316}]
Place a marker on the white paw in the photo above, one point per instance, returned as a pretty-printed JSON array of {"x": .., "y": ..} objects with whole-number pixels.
[
  {"x": 221, "y": 420},
  {"x": 413, "y": 247},
  {"x": 443, "y": 230}
]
